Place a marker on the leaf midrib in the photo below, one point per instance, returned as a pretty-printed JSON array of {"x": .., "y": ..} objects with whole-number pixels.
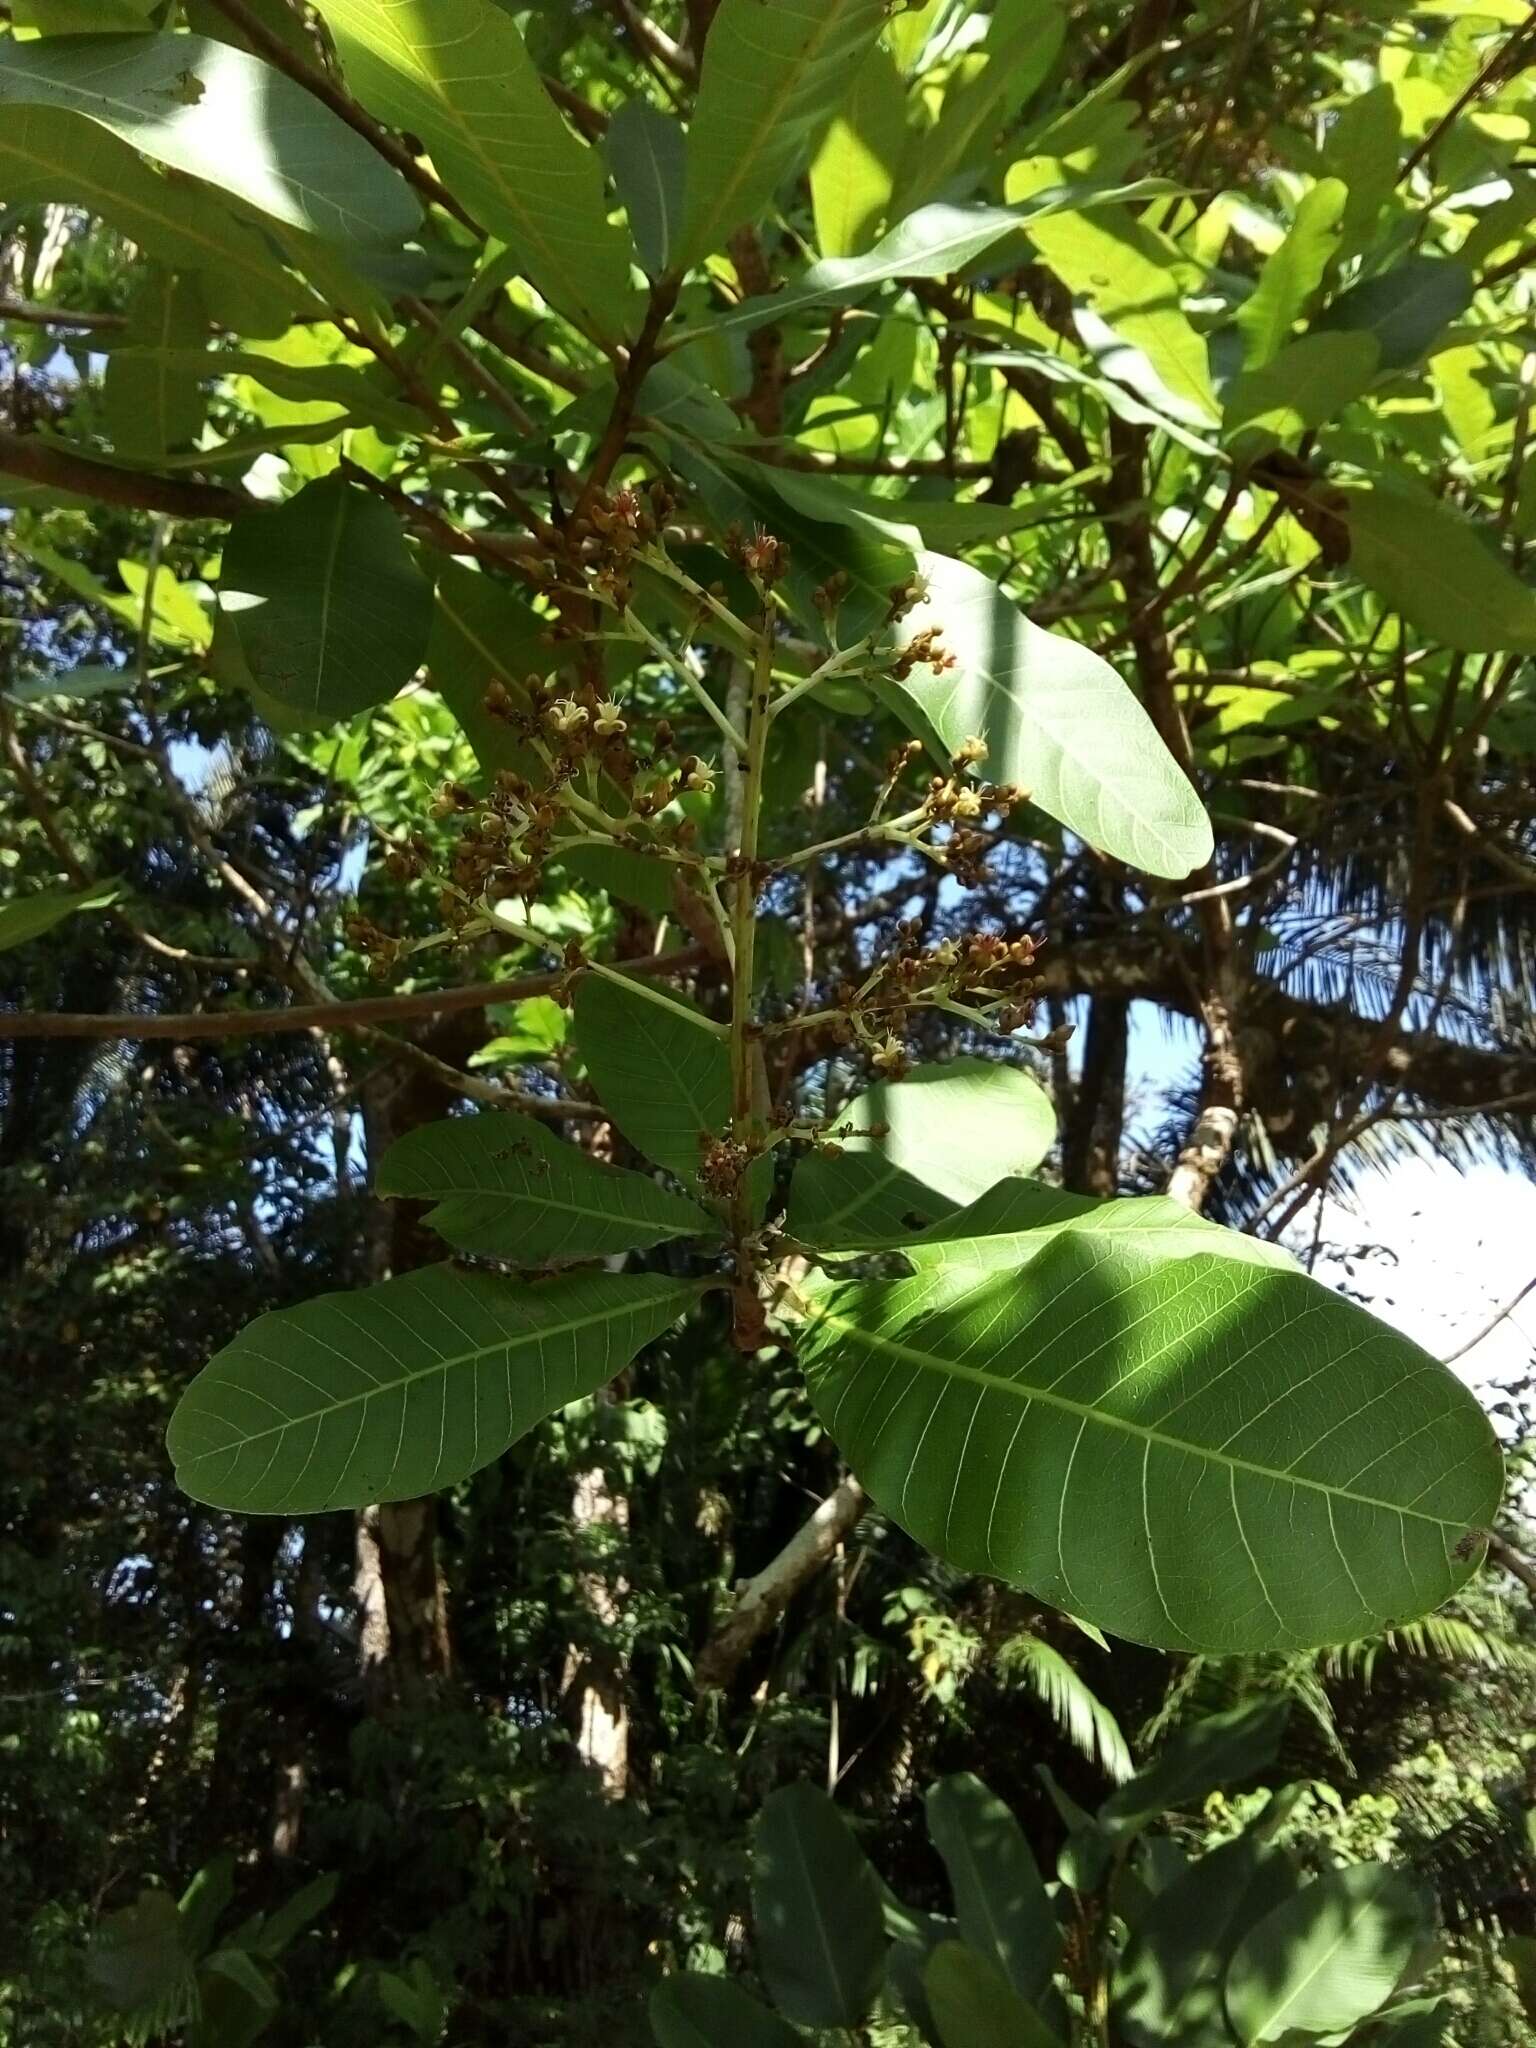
[
  {"x": 571, "y": 1207},
  {"x": 1085, "y": 1411}
]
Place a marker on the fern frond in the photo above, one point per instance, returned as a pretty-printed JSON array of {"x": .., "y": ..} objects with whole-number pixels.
[{"x": 1071, "y": 1702}]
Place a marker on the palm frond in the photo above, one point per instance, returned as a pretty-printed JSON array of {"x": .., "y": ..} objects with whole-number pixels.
[
  {"x": 1071, "y": 1702},
  {"x": 1437, "y": 1639}
]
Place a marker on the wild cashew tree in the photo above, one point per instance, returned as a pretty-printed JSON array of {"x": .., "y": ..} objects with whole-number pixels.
[{"x": 761, "y": 480}]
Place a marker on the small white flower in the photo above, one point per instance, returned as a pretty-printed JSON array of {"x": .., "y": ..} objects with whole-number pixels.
[
  {"x": 608, "y": 721},
  {"x": 566, "y": 715}
]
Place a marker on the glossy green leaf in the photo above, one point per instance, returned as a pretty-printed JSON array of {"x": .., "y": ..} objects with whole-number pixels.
[
  {"x": 1436, "y": 568},
  {"x": 1293, "y": 273},
  {"x": 148, "y": 406},
  {"x": 219, "y": 114},
  {"x": 1306, "y": 385},
  {"x": 988, "y": 88},
  {"x": 1131, "y": 279},
  {"x": 974, "y": 2005},
  {"x": 648, "y": 154},
  {"x": 28, "y": 917},
  {"x": 817, "y": 1911},
  {"x": 325, "y": 601},
  {"x": 398, "y": 1389},
  {"x": 340, "y": 384},
  {"x": 455, "y": 73},
  {"x": 483, "y": 632},
  {"x": 942, "y": 523},
  {"x": 1200, "y": 1454},
  {"x": 771, "y": 80},
  {"x": 1001, "y": 1903},
  {"x": 1325, "y": 1958},
  {"x": 712, "y": 2012},
  {"x": 1221, "y": 1750},
  {"x": 507, "y": 1188},
  {"x": 854, "y": 171},
  {"x": 1168, "y": 1978},
  {"x": 53, "y": 156},
  {"x": 1406, "y": 308},
  {"x": 663, "y": 1075},
  {"x": 1057, "y": 720}
]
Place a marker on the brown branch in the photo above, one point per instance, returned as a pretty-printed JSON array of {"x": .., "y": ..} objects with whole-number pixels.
[
  {"x": 60, "y": 469},
  {"x": 365, "y": 1011},
  {"x": 34, "y": 315},
  {"x": 1515, "y": 1562},
  {"x": 764, "y": 1598}
]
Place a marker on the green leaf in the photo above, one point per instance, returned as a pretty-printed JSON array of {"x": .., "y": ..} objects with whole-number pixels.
[
  {"x": 772, "y": 78},
  {"x": 1293, "y": 273},
  {"x": 85, "y": 681},
  {"x": 218, "y": 113},
  {"x": 859, "y": 1202},
  {"x": 1406, "y": 308},
  {"x": 1438, "y": 570},
  {"x": 1001, "y": 1903},
  {"x": 148, "y": 407},
  {"x": 507, "y": 1188},
  {"x": 46, "y": 155},
  {"x": 1130, "y": 277},
  {"x": 817, "y": 1907},
  {"x": 693, "y": 2011},
  {"x": 1200, "y": 1454},
  {"x": 1325, "y": 1958},
  {"x": 483, "y": 632},
  {"x": 84, "y": 17},
  {"x": 342, "y": 384},
  {"x": 326, "y": 602},
  {"x": 662, "y": 1074},
  {"x": 956, "y": 1126},
  {"x": 1201, "y": 1758},
  {"x": 1017, "y": 1220},
  {"x": 295, "y": 1914},
  {"x": 140, "y": 1960},
  {"x": 648, "y": 154},
  {"x": 1057, "y": 721},
  {"x": 1066, "y": 1695},
  {"x": 854, "y": 171},
  {"x": 974, "y": 2005},
  {"x": 405, "y": 1387},
  {"x": 986, "y": 91},
  {"x": 30, "y": 916},
  {"x": 1167, "y": 1981},
  {"x": 941, "y": 523},
  {"x": 1362, "y": 147},
  {"x": 455, "y": 72},
  {"x": 1306, "y": 385}
]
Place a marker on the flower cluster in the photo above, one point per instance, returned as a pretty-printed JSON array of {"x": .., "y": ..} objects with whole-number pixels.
[{"x": 984, "y": 976}]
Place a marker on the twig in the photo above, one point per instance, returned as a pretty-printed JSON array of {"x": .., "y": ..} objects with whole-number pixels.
[{"x": 1471, "y": 1343}]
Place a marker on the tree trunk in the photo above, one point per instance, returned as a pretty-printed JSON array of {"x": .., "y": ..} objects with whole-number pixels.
[
  {"x": 594, "y": 1678},
  {"x": 1090, "y": 1149}
]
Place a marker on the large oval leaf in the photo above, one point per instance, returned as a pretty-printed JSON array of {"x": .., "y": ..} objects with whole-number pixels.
[
  {"x": 974, "y": 2006},
  {"x": 507, "y": 1188},
  {"x": 398, "y": 1389},
  {"x": 663, "y": 1077},
  {"x": 1001, "y": 1903},
  {"x": 326, "y": 602},
  {"x": 1200, "y": 1454},
  {"x": 950, "y": 1131},
  {"x": 1445, "y": 576},
  {"x": 816, "y": 1899},
  {"x": 218, "y": 113},
  {"x": 1057, "y": 720},
  {"x": 1326, "y": 1957}
]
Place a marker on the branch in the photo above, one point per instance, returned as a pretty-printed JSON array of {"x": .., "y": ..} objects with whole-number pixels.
[
  {"x": 1499, "y": 1315},
  {"x": 60, "y": 469},
  {"x": 763, "y": 1599},
  {"x": 56, "y": 316},
  {"x": 365, "y": 1012},
  {"x": 1514, "y": 1562}
]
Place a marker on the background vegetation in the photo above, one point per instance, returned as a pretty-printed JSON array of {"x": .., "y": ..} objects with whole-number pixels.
[{"x": 1248, "y": 414}]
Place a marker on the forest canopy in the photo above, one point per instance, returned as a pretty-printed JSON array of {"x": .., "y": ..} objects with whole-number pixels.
[{"x": 758, "y": 761}]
